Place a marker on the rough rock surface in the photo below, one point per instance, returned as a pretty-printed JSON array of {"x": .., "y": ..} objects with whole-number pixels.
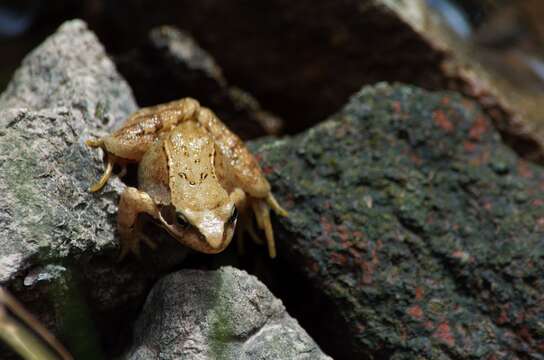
[
  {"x": 63, "y": 88},
  {"x": 223, "y": 314},
  {"x": 71, "y": 69},
  {"x": 173, "y": 59},
  {"x": 58, "y": 244},
  {"x": 419, "y": 232}
]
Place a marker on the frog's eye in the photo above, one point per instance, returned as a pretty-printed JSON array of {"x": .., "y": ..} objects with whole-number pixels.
[
  {"x": 233, "y": 216},
  {"x": 181, "y": 219}
]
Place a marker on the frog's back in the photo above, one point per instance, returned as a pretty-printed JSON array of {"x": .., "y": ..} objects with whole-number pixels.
[{"x": 191, "y": 162}]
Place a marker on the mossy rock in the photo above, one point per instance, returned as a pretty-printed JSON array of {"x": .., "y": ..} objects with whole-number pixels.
[{"x": 422, "y": 233}]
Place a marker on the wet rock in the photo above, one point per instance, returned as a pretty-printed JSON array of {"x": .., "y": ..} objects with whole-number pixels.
[
  {"x": 171, "y": 65},
  {"x": 414, "y": 229},
  {"x": 58, "y": 243},
  {"x": 223, "y": 314}
]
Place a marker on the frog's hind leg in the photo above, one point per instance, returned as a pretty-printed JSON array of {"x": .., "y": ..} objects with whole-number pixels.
[{"x": 132, "y": 203}]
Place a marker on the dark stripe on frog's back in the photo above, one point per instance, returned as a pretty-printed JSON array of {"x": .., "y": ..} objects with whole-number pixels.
[{"x": 153, "y": 173}]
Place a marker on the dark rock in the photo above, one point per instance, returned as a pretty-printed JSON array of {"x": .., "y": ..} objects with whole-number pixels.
[
  {"x": 171, "y": 65},
  {"x": 223, "y": 314},
  {"x": 303, "y": 59},
  {"x": 420, "y": 233}
]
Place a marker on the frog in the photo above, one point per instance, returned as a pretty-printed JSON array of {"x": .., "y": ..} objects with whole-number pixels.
[{"x": 196, "y": 179}]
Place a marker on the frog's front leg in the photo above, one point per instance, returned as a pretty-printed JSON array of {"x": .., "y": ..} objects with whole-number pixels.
[{"x": 132, "y": 203}]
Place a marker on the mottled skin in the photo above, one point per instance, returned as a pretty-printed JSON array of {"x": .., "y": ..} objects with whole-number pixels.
[{"x": 194, "y": 175}]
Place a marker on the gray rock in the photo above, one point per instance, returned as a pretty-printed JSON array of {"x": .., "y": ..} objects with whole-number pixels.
[
  {"x": 224, "y": 314},
  {"x": 58, "y": 243},
  {"x": 71, "y": 69},
  {"x": 63, "y": 88}
]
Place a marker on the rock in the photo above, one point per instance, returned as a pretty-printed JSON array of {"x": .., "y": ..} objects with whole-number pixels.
[
  {"x": 58, "y": 244},
  {"x": 304, "y": 59},
  {"x": 174, "y": 60},
  {"x": 492, "y": 64},
  {"x": 65, "y": 87},
  {"x": 419, "y": 233},
  {"x": 71, "y": 69},
  {"x": 223, "y": 314}
]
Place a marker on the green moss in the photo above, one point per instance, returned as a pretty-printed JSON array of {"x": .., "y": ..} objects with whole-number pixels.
[{"x": 221, "y": 329}]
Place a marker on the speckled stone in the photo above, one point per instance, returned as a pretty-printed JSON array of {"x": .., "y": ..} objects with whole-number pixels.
[
  {"x": 64, "y": 89},
  {"x": 58, "y": 241},
  {"x": 419, "y": 231},
  {"x": 223, "y": 314}
]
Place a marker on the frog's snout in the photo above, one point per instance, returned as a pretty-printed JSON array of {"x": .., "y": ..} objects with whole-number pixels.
[{"x": 216, "y": 238}]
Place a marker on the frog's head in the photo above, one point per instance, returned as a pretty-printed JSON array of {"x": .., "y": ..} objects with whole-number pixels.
[
  {"x": 208, "y": 230},
  {"x": 203, "y": 216},
  {"x": 208, "y": 227}
]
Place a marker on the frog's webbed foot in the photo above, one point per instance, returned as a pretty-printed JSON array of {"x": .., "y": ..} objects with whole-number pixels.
[
  {"x": 262, "y": 215},
  {"x": 132, "y": 203},
  {"x": 94, "y": 143},
  {"x": 131, "y": 244}
]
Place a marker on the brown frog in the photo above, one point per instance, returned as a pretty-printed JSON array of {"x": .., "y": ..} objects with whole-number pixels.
[{"x": 195, "y": 178}]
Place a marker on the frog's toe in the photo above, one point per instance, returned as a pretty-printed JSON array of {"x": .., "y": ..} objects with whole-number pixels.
[
  {"x": 130, "y": 243},
  {"x": 129, "y": 247},
  {"x": 274, "y": 205},
  {"x": 104, "y": 178},
  {"x": 148, "y": 241},
  {"x": 262, "y": 214},
  {"x": 94, "y": 143}
]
